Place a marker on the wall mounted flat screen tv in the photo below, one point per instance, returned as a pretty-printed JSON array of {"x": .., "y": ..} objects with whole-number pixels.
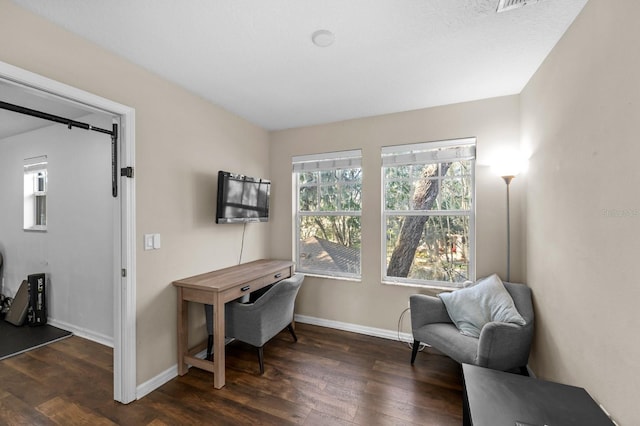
[{"x": 242, "y": 199}]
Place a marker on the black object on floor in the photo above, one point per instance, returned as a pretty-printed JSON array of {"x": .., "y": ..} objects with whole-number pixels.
[
  {"x": 494, "y": 397},
  {"x": 15, "y": 340}
]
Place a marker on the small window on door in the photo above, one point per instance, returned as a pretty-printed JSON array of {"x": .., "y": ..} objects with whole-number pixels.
[{"x": 35, "y": 194}]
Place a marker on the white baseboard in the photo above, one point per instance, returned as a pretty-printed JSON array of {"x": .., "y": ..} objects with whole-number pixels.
[
  {"x": 155, "y": 382},
  {"x": 355, "y": 328},
  {"x": 82, "y": 332}
]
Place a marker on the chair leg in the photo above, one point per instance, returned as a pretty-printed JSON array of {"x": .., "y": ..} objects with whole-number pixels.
[
  {"x": 293, "y": 333},
  {"x": 261, "y": 359},
  {"x": 210, "y": 348},
  {"x": 414, "y": 351}
]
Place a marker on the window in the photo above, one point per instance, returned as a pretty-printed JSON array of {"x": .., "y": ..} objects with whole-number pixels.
[
  {"x": 328, "y": 200},
  {"x": 35, "y": 194},
  {"x": 428, "y": 213}
]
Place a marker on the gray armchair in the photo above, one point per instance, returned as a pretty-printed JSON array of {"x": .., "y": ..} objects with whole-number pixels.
[
  {"x": 257, "y": 322},
  {"x": 501, "y": 346}
]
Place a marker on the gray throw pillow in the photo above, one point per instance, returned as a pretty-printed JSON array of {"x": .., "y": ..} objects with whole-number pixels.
[{"x": 486, "y": 301}]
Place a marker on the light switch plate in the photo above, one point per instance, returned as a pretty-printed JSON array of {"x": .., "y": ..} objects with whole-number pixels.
[
  {"x": 148, "y": 241},
  {"x": 156, "y": 241}
]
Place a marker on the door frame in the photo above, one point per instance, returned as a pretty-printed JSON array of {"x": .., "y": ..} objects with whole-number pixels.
[{"x": 124, "y": 273}]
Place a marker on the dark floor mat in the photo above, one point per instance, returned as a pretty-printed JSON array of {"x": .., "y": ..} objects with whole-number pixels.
[{"x": 15, "y": 340}]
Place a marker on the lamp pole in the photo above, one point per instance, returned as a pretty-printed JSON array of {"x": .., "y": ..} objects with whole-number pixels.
[{"x": 507, "y": 180}]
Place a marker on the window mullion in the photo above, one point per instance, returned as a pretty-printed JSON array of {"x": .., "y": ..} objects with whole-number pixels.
[
  {"x": 331, "y": 213},
  {"x": 427, "y": 212}
]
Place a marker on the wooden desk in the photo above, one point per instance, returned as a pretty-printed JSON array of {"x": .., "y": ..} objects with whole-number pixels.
[
  {"x": 497, "y": 398},
  {"x": 217, "y": 288}
]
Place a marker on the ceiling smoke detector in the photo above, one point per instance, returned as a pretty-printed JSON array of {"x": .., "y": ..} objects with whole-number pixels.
[
  {"x": 505, "y": 5},
  {"x": 322, "y": 38}
]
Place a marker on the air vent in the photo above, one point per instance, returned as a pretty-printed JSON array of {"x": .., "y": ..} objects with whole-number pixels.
[{"x": 505, "y": 5}]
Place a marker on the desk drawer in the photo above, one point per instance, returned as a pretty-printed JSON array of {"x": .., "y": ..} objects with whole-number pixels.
[
  {"x": 278, "y": 276},
  {"x": 256, "y": 284}
]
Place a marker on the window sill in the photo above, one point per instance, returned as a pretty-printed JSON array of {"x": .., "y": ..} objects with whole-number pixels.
[
  {"x": 36, "y": 229},
  {"x": 432, "y": 287},
  {"x": 330, "y": 277}
]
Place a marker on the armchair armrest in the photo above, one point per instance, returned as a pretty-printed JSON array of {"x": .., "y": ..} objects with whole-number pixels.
[
  {"x": 427, "y": 310},
  {"x": 502, "y": 346}
]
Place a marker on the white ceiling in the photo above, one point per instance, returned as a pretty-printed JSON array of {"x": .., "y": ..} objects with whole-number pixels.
[{"x": 256, "y": 59}]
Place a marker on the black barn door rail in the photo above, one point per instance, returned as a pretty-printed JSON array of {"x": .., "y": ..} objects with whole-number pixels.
[{"x": 73, "y": 123}]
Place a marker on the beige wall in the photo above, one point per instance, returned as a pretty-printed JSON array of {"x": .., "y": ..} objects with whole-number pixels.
[
  {"x": 580, "y": 116},
  {"x": 495, "y": 124},
  {"x": 181, "y": 143}
]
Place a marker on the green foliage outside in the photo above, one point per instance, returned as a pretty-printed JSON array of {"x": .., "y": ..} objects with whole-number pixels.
[
  {"x": 443, "y": 251},
  {"x": 327, "y": 199},
  {"x": 329, "y": 205}
]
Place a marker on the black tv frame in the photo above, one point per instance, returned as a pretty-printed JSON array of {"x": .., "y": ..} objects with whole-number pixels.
[{"x": 223, "y": 201}]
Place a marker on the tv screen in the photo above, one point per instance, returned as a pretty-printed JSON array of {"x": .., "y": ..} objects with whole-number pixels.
[{"x": 242, "y": 199}]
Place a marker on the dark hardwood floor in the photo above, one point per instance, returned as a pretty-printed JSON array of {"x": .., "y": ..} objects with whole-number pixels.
[{"x": 329, "y": 377}]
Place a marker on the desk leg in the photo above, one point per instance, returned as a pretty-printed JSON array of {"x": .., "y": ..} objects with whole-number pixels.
[
  {"x": 218, "y": 344},
  {"x": 183, "y": 344}
]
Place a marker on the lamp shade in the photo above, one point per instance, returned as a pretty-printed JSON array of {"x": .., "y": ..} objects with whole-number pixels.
[{"x": 508, "y": 163}]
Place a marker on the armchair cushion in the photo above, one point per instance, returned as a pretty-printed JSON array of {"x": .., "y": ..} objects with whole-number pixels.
[{"x": 486, "y": 301}]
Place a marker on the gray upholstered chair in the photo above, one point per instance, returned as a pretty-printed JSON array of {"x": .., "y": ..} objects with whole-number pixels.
[
  {"x": 258, "y": 322},
  {"x": 501, "y": 346}
]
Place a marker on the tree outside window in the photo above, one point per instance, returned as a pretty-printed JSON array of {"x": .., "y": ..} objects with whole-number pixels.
[
  {"x": 328, "y": 209},
  {"x": 428, "y": 214}
]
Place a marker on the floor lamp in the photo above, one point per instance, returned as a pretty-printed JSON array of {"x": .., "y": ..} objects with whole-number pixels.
[
  {"x": 507, "y": 180},
  {"x": 508, "y": 167}
]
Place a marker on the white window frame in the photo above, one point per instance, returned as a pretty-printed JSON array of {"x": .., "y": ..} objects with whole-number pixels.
[
  {"x": 427, "y": 153},
  {"x": 34, "y": 191},
  {"x": 319, "y": 162}
]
